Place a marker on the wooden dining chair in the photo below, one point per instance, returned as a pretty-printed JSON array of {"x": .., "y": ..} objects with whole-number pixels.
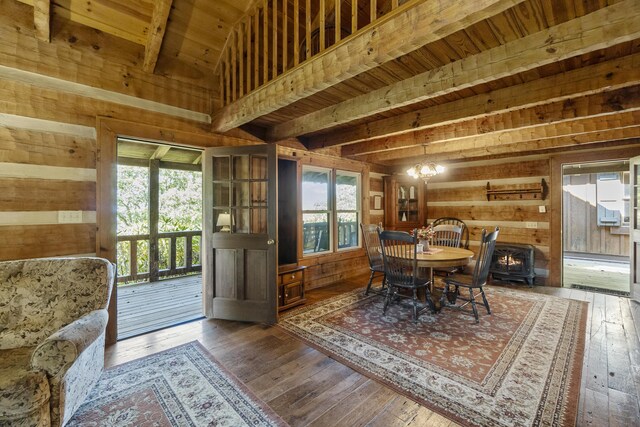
[
  {"x": 401, "y": 270},
  {"x": 476, "y": 281},
  {"x": 451, "y": 232},
  {"x": 371, "y": 241}
]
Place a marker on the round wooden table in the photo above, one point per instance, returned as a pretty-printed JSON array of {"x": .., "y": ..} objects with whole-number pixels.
[{"x": 445, "y": 257}]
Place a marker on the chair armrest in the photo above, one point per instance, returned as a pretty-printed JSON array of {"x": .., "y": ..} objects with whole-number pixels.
[{"x": 58, "y": 352}]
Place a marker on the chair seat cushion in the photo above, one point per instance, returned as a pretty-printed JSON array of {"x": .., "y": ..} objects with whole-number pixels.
[{"x": 21, "y": 390}]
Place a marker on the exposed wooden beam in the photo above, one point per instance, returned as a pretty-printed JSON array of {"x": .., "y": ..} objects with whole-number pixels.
[
  {"x": 605, "y": 27},
  {"x": 596, "y": 105},
  {"x": 628, "y": 134},
  {"x": 160, "y": 152},
  {"x": 514, "y": 136},
  {"x": 42, "y": 19},
  {"x": 618, "y": 73},
  {"x": 157, "y": 27},
  {"x": 397, "y": 33}
]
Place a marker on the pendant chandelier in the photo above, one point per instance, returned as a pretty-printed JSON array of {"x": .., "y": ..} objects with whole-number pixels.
[{"x": 425, "y": 170}]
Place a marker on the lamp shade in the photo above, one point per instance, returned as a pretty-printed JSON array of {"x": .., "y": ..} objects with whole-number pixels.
[{"x": 224, "y": 221}]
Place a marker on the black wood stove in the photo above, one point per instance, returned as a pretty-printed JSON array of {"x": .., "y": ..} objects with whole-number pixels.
[{"x": 513, "y": 261}]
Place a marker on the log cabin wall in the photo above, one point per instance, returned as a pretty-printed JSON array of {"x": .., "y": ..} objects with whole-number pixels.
[
  {"x": 51, "y": 95},
  {"x": 461, "y": 192}
]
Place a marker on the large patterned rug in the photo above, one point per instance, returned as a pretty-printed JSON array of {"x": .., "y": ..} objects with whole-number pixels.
[
  {"x": 520, "y": 366},
  {"x": 183, "y": 386}
]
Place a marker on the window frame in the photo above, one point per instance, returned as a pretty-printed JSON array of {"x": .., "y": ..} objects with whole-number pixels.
[
  {"x": 332, "y": 210},
  {"x": 329, "y": 211}
]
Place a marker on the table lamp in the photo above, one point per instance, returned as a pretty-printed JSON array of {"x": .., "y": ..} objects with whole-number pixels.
[{"x": 224, "y": 221}]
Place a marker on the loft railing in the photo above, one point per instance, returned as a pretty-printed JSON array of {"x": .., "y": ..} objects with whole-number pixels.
[
  {"x": 278, "y": 35},
  {"x": 176, "y": 256}
]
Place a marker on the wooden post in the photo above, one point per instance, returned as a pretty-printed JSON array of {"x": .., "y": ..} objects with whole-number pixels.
[
  {"x": 274, "y": 64},
  {"x": 240, "y": 48},
  {"x": 308, "y": 30},
  {"x": 354, "y": 16},
  {"x": 265, "y": 42},
  {"x": 174, "y": 253},
  {"x": 256, "y": 48},
  {"x": 227, "y": 73},
  {"x": 296, "y": 32},
  {"x": 234, "y": 66},
  {"x": 338, "y": 19},
  {"x": 322, "y": 23},
  {"x": 285, "y": 35},
  {"x": 249, "y": 58},
  {"x": 154, "y": 207}
]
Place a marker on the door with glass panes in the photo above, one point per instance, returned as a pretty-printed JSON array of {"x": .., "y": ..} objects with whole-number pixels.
[
  {"x": 240, "y": 228},
  {"x": 634, "y": 232}
]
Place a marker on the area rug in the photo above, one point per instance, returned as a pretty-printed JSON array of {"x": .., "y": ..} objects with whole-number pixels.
[
  {"x": 520, "y": 366},
  {"x": 183, "y": 386}
]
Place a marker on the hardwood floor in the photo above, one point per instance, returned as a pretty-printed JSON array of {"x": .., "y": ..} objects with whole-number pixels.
[{"x": 307, "y": 388}]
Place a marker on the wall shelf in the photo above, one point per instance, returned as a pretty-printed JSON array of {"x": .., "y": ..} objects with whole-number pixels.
[{"x": 527, "y": 192}]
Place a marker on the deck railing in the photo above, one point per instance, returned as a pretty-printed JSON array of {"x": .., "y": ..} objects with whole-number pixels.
[
  {"x": 173, "y": 260},
  {"x": 315, "y": 235},
  {"x": 278, "y": 35}
]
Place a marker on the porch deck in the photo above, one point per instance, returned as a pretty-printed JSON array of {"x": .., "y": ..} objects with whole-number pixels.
[
  {"x": 596, "y": 274},
  {"x": 147, "y": 307}
]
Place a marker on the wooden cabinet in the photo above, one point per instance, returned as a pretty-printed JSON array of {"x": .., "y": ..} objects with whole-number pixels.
[
  {"x": 404, "y": 203},
  {"x": 290, "y": 286}
]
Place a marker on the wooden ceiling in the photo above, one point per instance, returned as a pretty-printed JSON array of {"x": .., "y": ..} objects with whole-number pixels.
[
  {"x": 532, "y": 76},
  {"x": 444, "y": 80},
  {"x": 193, "y": 38}
]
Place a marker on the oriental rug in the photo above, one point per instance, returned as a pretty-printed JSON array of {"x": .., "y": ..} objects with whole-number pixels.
[
  {"x": 183, "y": 386},
  {"x": 520, "y": 366}
]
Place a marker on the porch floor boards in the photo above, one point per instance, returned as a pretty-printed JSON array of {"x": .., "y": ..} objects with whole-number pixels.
[
  {"x": 596, "y": 273},
  {"x": 147, "y": 307},
  {"x": 307, "y": 388}
]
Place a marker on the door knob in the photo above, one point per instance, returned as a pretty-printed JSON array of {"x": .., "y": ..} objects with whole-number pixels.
[{"x": 270, "y": 242}]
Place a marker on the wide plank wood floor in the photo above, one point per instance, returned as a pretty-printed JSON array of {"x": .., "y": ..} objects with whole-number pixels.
[{"x": 307, "y": 388}]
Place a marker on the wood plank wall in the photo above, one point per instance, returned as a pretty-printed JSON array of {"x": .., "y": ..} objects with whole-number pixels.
[
  {"x": 51, "y": 94},
  {"x": 461, "y": 192}
]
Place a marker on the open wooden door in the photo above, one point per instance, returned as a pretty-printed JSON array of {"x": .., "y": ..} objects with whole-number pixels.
[
  {"x": 634, "y": 233},
  {"x": 239, "y": 258}
]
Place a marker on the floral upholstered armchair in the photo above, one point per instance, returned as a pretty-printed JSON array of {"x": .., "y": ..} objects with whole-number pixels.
[{"x": 53, "y": 319}]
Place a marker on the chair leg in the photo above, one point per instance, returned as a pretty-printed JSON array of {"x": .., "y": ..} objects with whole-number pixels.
[
  {"x": 415, "y": 305},
  {"x": 484, "y": 299},
  {"x": 387, "y": 300},
  {"x": 370, "y": 281},
  {"x": 473, "y": 305},
  {"x": 443, "y": 297}
]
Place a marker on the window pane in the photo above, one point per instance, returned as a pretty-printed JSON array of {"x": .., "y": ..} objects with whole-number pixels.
[
  {"x": 220, "y": 168},
  {"x": 240, "y": 221},
  {"x": 315, "y": 190},
  {"x": 240, "y": 194},
  {"x": 258, "y": 167},
  {"x": 315, "y": 232},
  {"x": 347, "y": 230},
  {"x": 240, "y": 167},
  {"x": 346, "y": 192}
]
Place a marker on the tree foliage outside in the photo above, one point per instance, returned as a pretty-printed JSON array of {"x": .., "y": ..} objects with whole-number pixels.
[{"x": 180, "y": 201}]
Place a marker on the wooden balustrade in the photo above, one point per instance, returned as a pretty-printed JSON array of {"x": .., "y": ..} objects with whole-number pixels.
[
  {"x": 278, "y": 35},
  {"x": 173, "y": 269}
]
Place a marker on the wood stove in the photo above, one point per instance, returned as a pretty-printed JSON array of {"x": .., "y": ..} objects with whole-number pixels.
[{"x": 513, "y": 261}]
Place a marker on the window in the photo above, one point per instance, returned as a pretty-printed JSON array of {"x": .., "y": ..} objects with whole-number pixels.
[
  {"x": 325, "y": 204},
  {"x": 347, "y": 208},
  {"x": 316, "y": 209}
]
